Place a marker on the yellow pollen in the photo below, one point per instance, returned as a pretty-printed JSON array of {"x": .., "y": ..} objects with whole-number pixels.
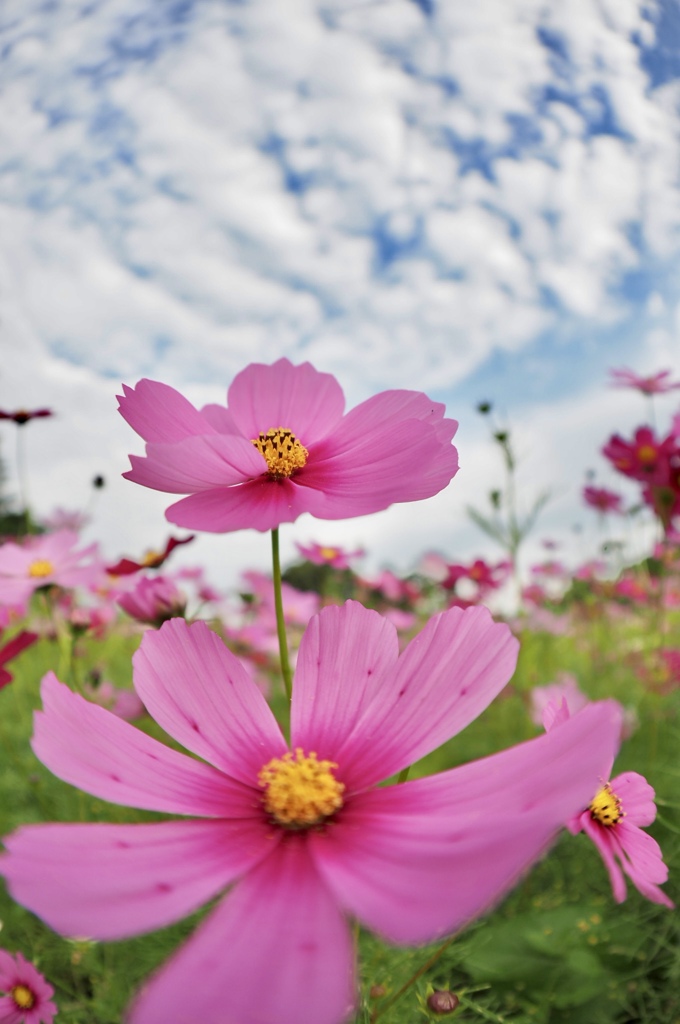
[
  {"x": 23, "y": 997},
  {"x": 151, "y": 559},
  {"x": 646, "y": 453},
  {"x": 606, "y": 807},
  {"x": 282, "y": 452},
  {"x": 41, "y": 567},
  {"x": 328, "y": 553},
  {"x": 299, "y": 790}
]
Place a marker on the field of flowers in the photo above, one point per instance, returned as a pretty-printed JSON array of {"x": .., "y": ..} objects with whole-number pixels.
[{"x": 328, "y": 797}]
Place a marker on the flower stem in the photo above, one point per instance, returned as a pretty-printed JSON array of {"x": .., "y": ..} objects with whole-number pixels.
[
  {"x": 379, "y": 1010},
  {"x": 280, "y": 625}
]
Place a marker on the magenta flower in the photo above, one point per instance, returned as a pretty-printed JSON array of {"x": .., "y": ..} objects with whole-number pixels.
[
  {"x": 153, "y": 599},
  {"x": 11, "y": 649},
  {"x": 654, "y": 384},
  {"x": 284, "y": 447},
  {"x": 328, "y": 554},
  {"x": 565, "y": 688},
  {"x": 27, "y": 994},
  {"x": 43, "y": 561},
  {"x": 22, "y": 416},
  {"x": 151, "y": 560},
  {"x": 602, "y": 499},
  {"x": 305, "y": 832},
  {"x": 613, "y": 819}
]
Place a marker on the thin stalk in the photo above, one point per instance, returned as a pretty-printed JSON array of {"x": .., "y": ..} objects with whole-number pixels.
[
  {"x": 22, "y": 478},
  {"x": 280, "y": 624},
  {"x": 379, "y": 1010}
]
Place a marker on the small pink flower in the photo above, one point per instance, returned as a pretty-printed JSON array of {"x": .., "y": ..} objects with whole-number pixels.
[
  {"x": 565, "y": 688},
  {"x": 22, "y": 416},
  {"x": 301, "y": 838},
  {"x": 645, "y": 458},
  {"x": 153, "y": 600},
  {"x": 602, "y": 499},
  {"x": 654, "y": 384},
  {"x": 27, "y": 998},
  {"x": 613, "y": 820},
  {"x": 66, "y": 519},
  {"x": 123, "y": 703},
  {"x": 283, "y": 447},
  {"x": 151, "y": 560},
  {"x": 326, "y": 554},
  {"x": 43, "y": 561}
]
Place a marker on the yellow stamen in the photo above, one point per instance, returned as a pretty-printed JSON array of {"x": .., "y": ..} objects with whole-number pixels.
[
  {"x": 329, "y": 553},
  {"x": 41, "y": 567},
  {"x": 152, "y": 559},
  {"x": 606, "y": 807},
  {"x": 23, "y": 997},
  {"x": 300, "y": 790},
  {"x": 282, "y": 452},
  {"x": 646, "y": 453}
]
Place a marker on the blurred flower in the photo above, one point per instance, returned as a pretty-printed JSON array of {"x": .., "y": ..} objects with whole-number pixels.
[
  {"x": 646, "y": 458},
  {"x": 11, "y": 649},
  {"x": 44, "y": 561},
  {"x": 121, "y": 702},
  {"x": 66, "y": 519},
  {"x": 323, "y": 554},
  {"x": 27, "y": 998},
  {"x": 301, "y": 838},
  {"x": 153, "y": 600},
  {"x": 565, "y": 688},
  {"x": 22, "y": 416},
  {"x": 151, "y": 560},
  {"x": 284, "y": 447},
  {"x": 298, "y": 605},
  {"x": 602, "y": 499},
  {"x": 655, "y": 384}
]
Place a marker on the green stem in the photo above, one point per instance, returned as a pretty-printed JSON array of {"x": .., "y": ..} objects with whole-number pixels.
[
  {"x": 379, "y": 1010},
  {"x": 280, "y": 624},
  {"x": 403, "y": 774}
]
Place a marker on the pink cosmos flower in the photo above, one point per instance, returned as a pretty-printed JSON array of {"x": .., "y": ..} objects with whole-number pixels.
[
  {"x": 153, "y": 600},
  {"x": 565, "y": 688},
  {"x": 45, "y": 560},
  {"x": 602, "y": 499},
  {"x": 151, "y": 560},
  {"x": 27, "y": 998},
  {"x": 654, "y": 384},
  {"x": 645, "y": 458},
  {"x": 613, "y": 820},
  {"x": 325, "y": 554},
  {"x": 305, "y": 832},
  {"x": 283, "y": 447},
  {"x": 11, "y": 649}
]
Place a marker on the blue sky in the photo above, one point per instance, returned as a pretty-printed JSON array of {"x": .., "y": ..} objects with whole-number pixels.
[{"x": 477, "y": 201}]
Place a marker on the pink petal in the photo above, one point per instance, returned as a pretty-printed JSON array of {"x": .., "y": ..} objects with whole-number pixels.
[
  {"x": 275, "y": 951},
  {"x": 90, "y": 747},
  {"x": 446, "y": 677},
  {"x": 353, "y": 475},
  {"x": 203, "y": 697},
  {"x": 636, "y": 796},
  {"x": 196, "y": 463},
  {"x": 298, "y": 398},
  {"x": 160, "y": 414},
  {"x": 219, "y": 417},
  {"x": 604, "y": 843},
  {"x": 642, "y": 861},
  {"x": 262, "y": 504},
  {"x": 111, "y": 881},
  {"x": 418, "y": 860}
]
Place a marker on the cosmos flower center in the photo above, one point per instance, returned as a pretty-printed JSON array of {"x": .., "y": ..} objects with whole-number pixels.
[
  {"x": 646, "y": 454},
  {"x": 282, "y": 452},
  {"x": 40, "y": 568},
  {"x": 328, "y": 553},
  {"x": 300, "y": 790},
  {"x": 23, "y": 997},
  {"x": 606, "y": 807},
  {"x": 152, "y": 559}
]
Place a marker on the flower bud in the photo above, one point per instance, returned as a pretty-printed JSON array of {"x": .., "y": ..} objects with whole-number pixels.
[{"x": 442, "y": 1001}]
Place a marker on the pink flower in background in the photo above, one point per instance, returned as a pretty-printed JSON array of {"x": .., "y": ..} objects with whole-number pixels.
[
  {"x": 654, "y": 384},
  {"x": 123, "y": 703},
  {"x": 283, "y": 447},
  {"x": 614, "y": 819},
  {"x": 298, "y": 605},
  {"x": 44, "y": 561},
  {"x": 151, "y": 560},
  {"x": 153, "y": 600},
  {"x": 22, "y": 416},
  {"x": 66, "y": 519},
  {"x": 27, "y": 996},
  {"x": 11, "y": 649},
  {"x": 565, "y": 688},
  {"x": 602, "y": 499},
  {"x": 306, "y": 834},
  {"x": 324, "y": 554},
  {"x": 645, "y": 458}
]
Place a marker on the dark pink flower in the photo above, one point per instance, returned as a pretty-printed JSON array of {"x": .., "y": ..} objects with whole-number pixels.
[
  {"x": 283, "y": 447},
  {"x": 151, "y": 560},
  {"x": 11, "y": 649},
  {"x": 645, "y": 458},
  {"x": 564, "y": 688},
  {"x": 27, "y": 996},
  {"x": 613, "y": 819},
  {"x": 22, "y": 416},
  {"x": 654, "y": 384},
  {"x": 326, "y": 554},
  {"x": 153, "y": 600},
  {"x": 43, "y": 561},
  {"x": 302, "y": 837},
  {"x": 602, "y": 499}
]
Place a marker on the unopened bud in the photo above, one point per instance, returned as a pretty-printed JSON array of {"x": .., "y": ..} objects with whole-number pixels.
[
  {"x": 98, "y": 482},
  {"x": 484, "y": 408},
  {"x": 377, "y": 991},
  {"x": 442, "y": 1001}
]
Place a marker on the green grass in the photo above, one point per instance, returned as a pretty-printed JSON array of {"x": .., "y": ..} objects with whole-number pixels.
[{"x": 559, "y": 950}]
